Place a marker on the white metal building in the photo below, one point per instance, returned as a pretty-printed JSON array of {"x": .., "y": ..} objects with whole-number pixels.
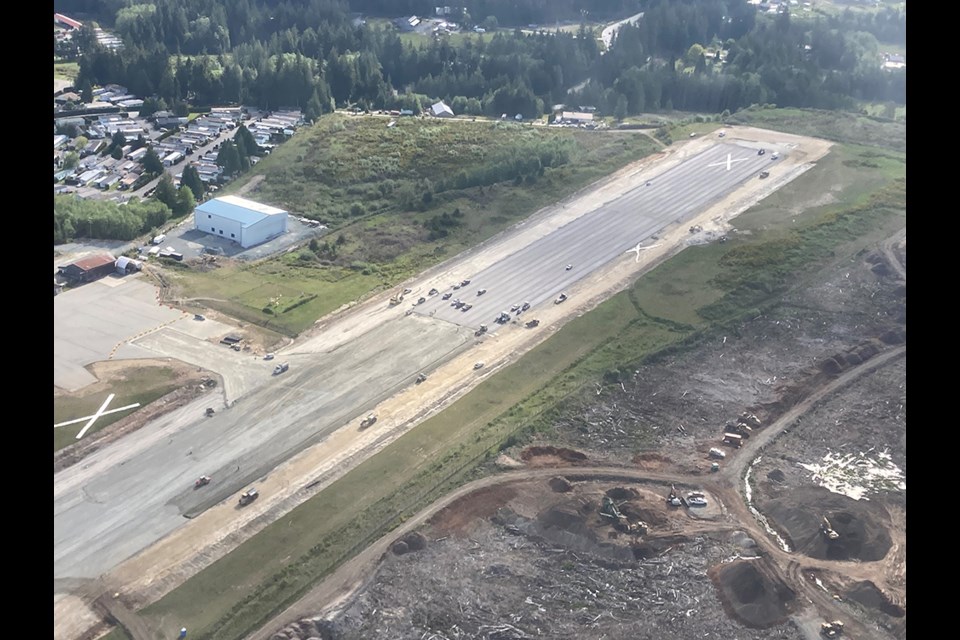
[{"x": 244, "y": 221}]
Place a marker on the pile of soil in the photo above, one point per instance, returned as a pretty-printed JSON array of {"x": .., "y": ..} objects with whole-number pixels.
[
  {"x": 867, "y": 594},
  {"x": 566, "y": 527},
  {"x": 560, "y": 484},
  {"x": 459, "y": 517},
  {"x": 549, "y": 456},
  {"x": 863, "y": 534},
  {"x": 751, "y": 593},
  {"x": 620, "y": 493},
  {"x": 652, "y": 461},
  {"x": 410, "y": 542}
]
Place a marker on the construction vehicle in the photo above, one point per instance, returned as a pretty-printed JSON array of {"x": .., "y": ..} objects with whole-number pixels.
[
  {"x": 831, "y": 629},
  {"x": 280, "y": 368},
  {"x": 482, "y": 330},
  {"x": 532, "y": 323},
  {"x": 740, "y": 428},
  {"x": 717, "y": 453},
  {"x": 395, "y": 300},
  {"x": 560, "y": 298},
  {"x": 673, "y": 499},
  {"x": 764, "y": 174},
  {"x": 715, "y": 467},
  {"x": 369, "y": 420},
  {"x": 209, "y": 412},
  {"x": 749, "y": 419},
  {"x": 733, "y": 439},
  {"x": 202, "y": 481},
  {"x": 827, "y": 530},
  {"x": 421, "y": 378},
  {"x": 610, "y": 511},
  {"x": 248, "y": 496}
]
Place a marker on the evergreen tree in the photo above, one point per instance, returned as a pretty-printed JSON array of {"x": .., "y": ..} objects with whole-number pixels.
[
  {"x": 152, "y": 162},
  {"x": 184, "y": 202},
  {"x": 191, "y": 179},
  {"x": 166, "y": 192}
]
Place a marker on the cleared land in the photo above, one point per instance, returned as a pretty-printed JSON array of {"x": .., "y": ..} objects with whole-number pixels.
[{"x": 501, "y": 343}]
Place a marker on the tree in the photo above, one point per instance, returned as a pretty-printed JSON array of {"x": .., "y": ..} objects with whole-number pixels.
[
  {"x": 185, "y": 202},
  {"x": 117, "y": 153},
  {"x": 620, "y": 111},
  {"x": 152, "y": 162},
  {"x": 70, "y": 159},
  {"x": 228, "y": 158},
  {"x": 490, "y": 23},
  {"x": 191, "y": 179},
  {"x": 249, "y": 144},
  {"x": 166, "y": 192}
]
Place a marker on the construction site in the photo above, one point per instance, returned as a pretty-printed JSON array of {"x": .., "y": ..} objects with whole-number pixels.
[{"x": 632, "y": 519}]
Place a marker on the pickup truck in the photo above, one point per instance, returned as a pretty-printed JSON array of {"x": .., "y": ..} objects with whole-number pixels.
[{"x": 280, "y": 368}]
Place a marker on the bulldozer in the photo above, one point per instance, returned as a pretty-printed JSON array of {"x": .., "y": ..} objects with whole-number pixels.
[
  {"x": 395, "y": 300},
  {"x": 828, "y": 531},
  {"x": 831, "y": 629},
  {"x": 620, "y": 522}
]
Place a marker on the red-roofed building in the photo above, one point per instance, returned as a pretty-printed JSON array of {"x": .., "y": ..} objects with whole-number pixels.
[
  {"x": 59, "y": 18},
  {"x": 88, "y": 269}
]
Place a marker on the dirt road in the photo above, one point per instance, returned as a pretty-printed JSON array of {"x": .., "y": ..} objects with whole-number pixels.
[{"x": 331, "y": 595}]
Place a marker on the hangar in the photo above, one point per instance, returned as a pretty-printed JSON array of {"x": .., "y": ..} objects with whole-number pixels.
[{"x": 246, "y": 222}]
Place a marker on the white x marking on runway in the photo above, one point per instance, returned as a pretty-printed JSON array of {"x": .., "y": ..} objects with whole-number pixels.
[
  {"x": 727, "y": 162},
  {"x": 94, "y": 417},
  {"x": 638, "y": 249}
]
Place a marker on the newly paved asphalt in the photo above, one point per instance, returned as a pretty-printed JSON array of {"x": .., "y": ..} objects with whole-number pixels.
[
  {"x": 128, "y": 495},
  {"x": 538, "y": 273}
]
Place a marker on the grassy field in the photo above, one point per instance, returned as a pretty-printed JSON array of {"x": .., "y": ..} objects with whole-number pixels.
[
  {"x": 144, "y": 385},
  {"x": 398, "y": 200},
  {"x": 686, "y": 298},
  {"x": 839, "y": 126},
  {"x": 66, "y": 70}
]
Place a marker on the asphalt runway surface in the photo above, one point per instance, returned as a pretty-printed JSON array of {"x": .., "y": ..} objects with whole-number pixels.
[
  {"x": 123, "y": 498},
  {"x": 127, "y": 496},
  {"x": 538, "y": 273}
]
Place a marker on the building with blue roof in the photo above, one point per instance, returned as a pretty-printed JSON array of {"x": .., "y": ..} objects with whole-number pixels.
[{"x": 246, "y": 222}]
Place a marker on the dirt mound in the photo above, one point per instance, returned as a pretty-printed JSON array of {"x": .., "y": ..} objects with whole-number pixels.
[
  {"x": 751, "y": 593},
  {"x": 550, "y": 456},
  {"x": 651, "y": 461},
  {"x": 776, "y": 475},
  {"x": 867, "y": 594},
  {"x": 620, "y": 493},
  {"x": 566, "y": 527},
  {"x": 863, "y": 534},
  {"x": 653, "y": 547},
  {"x": 560, "y": 484},
  {"x": 411, "y": 542},
  {"x": 461, "y": 516},
  {"x": 653, "y": 517}
]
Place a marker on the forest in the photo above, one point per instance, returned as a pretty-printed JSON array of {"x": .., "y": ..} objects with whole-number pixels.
[{"x": 707, "y": 56}]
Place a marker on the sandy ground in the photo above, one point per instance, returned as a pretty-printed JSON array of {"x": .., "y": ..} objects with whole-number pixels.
[{"x": 158, "y": 569}]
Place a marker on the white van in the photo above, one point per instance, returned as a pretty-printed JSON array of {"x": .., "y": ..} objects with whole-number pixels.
[{"x": 159, "y": 239}]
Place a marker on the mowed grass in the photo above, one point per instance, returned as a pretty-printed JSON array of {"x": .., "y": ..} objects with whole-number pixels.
[
  {"x": 66, "y": 70},
  {"x": 143, "y": 386},
  {"x": 696, "y": 292},
  {"x": 378, "y": 189}
]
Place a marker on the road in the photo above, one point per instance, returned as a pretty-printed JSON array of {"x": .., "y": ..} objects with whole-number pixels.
[
  {"x": 607, "y": 34},
  {"x": 127, "y": 496},
  {"x": 331, "y": 595}
]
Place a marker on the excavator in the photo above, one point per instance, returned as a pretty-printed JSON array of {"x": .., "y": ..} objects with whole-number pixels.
[
  {"x": 620, "y": 522},
  {"x": 828, "y": 531}
]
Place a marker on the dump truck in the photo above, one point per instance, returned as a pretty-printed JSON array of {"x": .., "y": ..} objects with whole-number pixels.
[
  {"x": 733, "y": 439},
  {"x": 248, "y": 496}
]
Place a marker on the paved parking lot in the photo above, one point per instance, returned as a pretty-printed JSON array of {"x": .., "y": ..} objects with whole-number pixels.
[{"x": 90, "y": 321}]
